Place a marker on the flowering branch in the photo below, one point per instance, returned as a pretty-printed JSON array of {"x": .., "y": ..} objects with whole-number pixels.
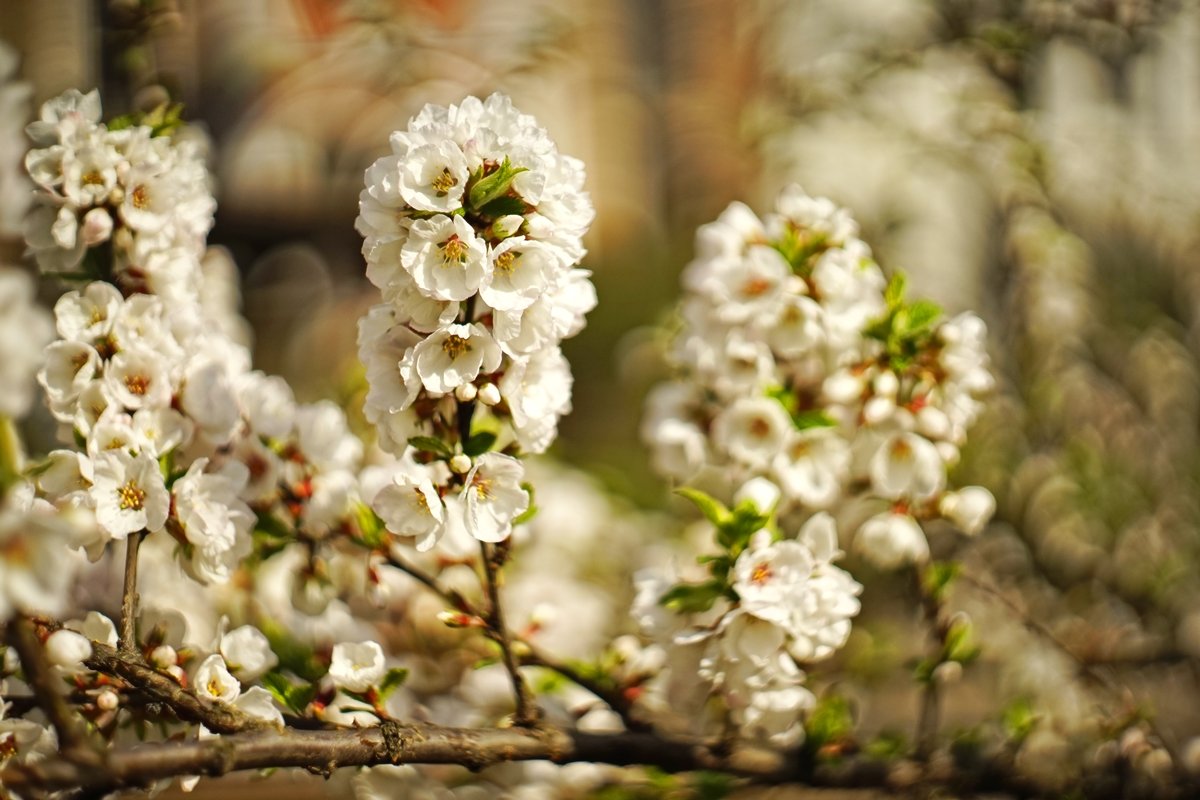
[
  {"x": 75, "y": 740},
  {"x": 129, "y": 595},
  {"x": 526, "y": 712},
  {"x": 529, "y": 655}
]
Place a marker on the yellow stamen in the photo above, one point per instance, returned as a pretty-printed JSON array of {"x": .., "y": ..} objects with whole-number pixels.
[{"x": 133, "y": 497}]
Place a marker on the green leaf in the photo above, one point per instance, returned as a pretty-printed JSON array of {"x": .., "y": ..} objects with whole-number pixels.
[
  {"x": 938, "y": 576},
  {"x": 691, "y": 598},
  {"x": 530, "y": 512},
  {"x": 372, "y": 533},
  {"x": 712, "y": 508},
  {"x": 960, "y": 645},
  {"x": 294, "y": 697},
  {"x": 831, "y": 721},
  {"x": 503, "y": 206},
  {"x": 494, "y": 185},
  {"x": 428, "y": 444},
  {"x": 1019, "y": 719},
  {"x": 916, "y": 320},
  {"x": 479, "y": 443},
  {"x": 735, "y": 532},
  {"x": 813, "y": 418},
  {"x": 887, "y": 746},
  {"x": 893, "y": 295},
  {"x": 393, "y": 680},
  {"x": 294, "y": 655}
]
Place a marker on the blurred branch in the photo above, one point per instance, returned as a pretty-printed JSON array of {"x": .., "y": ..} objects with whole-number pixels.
[
  {"x": 529, "y": 655},
  {"x": 75, "y": 739}
]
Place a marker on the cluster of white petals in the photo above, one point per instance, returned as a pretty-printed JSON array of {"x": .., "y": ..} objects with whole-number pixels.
[
  {"x": 473, "y": 232},
  {"x": 170, "y": 427},
  {"x": 139, "y": 201},
  {"x": 799, "y": 363}
]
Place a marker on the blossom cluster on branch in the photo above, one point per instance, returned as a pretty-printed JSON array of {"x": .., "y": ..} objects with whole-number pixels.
[{"x": 806, "y": 380}]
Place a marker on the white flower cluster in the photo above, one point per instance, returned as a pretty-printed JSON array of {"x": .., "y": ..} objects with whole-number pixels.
[
  {"x": 141, "y": 195},
  {"x": 803, "y": 365},
  {"x": 177, "y": 432},
  {"x": 473, "y": 228},
  {"x": 780, "y": 604},
  {"x": 25, "y": 329}
]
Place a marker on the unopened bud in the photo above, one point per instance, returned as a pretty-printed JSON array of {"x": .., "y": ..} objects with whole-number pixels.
[
  {"x": 489, "y": 395},
  {"x": 466, "y": 393},
  {"x": 67, "y": 650},
  {"x": 460, "y": 464},
  {"x": 457, "y": 619},
  {"x": 164, "y": 656},
  {"x": 948, "y": 672},
  {"x": 878, "y": 409},
  {"x": 107, "y": 700},
  {"x": 97, "y": 226}
]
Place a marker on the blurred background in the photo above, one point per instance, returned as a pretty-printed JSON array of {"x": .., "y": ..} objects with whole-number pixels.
[{"x": 1035, "y": 160}]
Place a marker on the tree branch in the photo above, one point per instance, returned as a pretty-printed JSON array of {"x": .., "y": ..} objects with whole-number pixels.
[
  {"x": 162, "y": 688},
  {"x": 531, "y": 655},
  {"x": 526, "y": 712},
  {"x": 397, "y": 743},
  {"x": 129, "y": 595},
  {"x": 75, "y": 739},
  {"x": 931, "y": 610}
]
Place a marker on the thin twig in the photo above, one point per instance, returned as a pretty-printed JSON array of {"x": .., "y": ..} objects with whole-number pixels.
[
  {"x": 529, "y": 654},
  {"x": 129, "y": 595},
  {"x": 162, "y": 688},
  {"x": 928, "y": 719},
  {"x": 74, "y": 737},
  {"x": 526, "y": 713}
]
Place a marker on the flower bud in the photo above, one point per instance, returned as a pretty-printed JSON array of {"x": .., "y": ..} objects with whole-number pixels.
[
  {"x": 107, "y": 700},
  {"x": 164, "y": 656},
  {"x": 460, "y": 464},
  {"x": 969, "y": 508},
  {"x": 886, "y": 384},
  {"x": 97, "y": 226},
  {"x": 760, "y": 492},
  {"x": 466, "y": 393},
  {"x": 489, "y": 395},
  {"x": 67, "y": 650},
  {"x": 878, "y": 409}
]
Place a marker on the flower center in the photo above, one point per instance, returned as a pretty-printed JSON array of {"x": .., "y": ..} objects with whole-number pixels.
[
  {"x": 422, "y": 502},
  {"x": 92, "y": 178},
  {"x": 137, "y": 384},
  {"x": 455, "y": 346},
  {"x": 140, "y": 197},
  {"x": 761, "y": 574},
  {"x": 755, "y": 287},
  {"x": 454, "y": 249},
  {"x": 760, "y": 428},
  {"x": 482, "y": 487},
  {"x": 132, "y": 497},
  {"x": 505, "y": 261},
  {"x": 214, "y": 687},
  {"x": 444, "y": 182}
]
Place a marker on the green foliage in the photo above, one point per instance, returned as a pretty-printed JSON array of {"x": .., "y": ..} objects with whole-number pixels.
[
  {"x": 799, "y": 247},
  {"x": 270, "y": 535},
  {"x": 163, "y": 120},
  {"x": 905, "y": 327},
  {"x": 802, "y": 419},
  {"x": 530, "y": 512},
  {"x": 393, "y": 680},
  {"x": 493, "y": 186},
  {"x": 693, "y": 598},
  {"x": 428, "y": 444},
  {"x": 938, "y": 576},
  {"x": 1019, "y": 719},
  {"x": 831, "y": 722},
  {"x": 294, "y": 655},
  {"x": 712, "y": 508},
  {"x": 479, "y": 443},
  {"x": 372, "y": 533},
  {"x": 293, "y": 696},
  {"x": 887, "y": 745}
]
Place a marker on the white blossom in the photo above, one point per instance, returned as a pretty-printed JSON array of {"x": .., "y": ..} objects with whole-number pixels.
[
  {"x": 356, "y": 667},
  {"x": 494, "y": 496}
]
